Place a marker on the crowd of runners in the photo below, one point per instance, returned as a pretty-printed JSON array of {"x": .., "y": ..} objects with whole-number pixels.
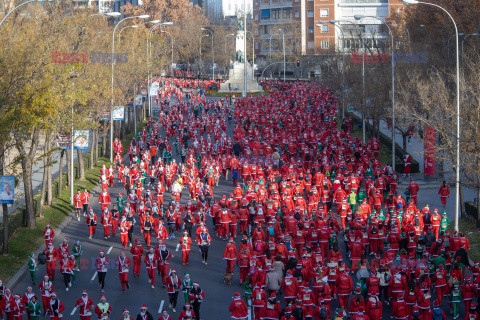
[{"x": 315, "y": 225}]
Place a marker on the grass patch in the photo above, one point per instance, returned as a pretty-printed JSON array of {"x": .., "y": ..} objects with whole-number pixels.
[{"x": 18, "y": 251}]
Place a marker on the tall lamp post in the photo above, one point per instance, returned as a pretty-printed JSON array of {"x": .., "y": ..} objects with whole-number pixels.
[
  {"x": 476, "y": 34},
  {"x": 284, "y": 56},
  {"x": 359, "y": 17},
  {"x": 144, "y": 16},
  {"x": 171, "y": 40},
  {"x": 213, "y": 53},
  {"x": 363, "y": 70},
  {"x": 245, "y": 82},
  {"x": 320, "y": 22},
  {"x": 457, "y": 160},
  {"x": 149, "y": 55}
]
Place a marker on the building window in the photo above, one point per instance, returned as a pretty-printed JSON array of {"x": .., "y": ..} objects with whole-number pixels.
[
  {"x": 276, "y": 14},
  {"x": 324, "y": 13},
  {"x": 287, "y": 13},
  {"x": 256, "y": 16},
  {"x": 310, "y": 29},
  {"x": 297, "y": 14},
  {"x": 325, "y": 28},
  {"x": 324, "y": 44},
  {"x": 310, "y": 45},
  {"x": 309, "y": 13}
]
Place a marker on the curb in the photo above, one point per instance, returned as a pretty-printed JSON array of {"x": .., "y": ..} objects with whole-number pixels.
[{"x": 23, "y": 269}]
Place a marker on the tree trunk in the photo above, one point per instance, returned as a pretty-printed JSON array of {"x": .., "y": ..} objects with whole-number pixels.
[
  {"x": 69, "y": 154},
  {"x": 81, "y": 165},
  {"x": 404, "y": 140},
  {"x": 104, "y": 141},
  {"x": 97, "y": 134},
  {"x": 49, "y": 175},
  {"x": 60, "y": 173},
  {"x": 44, "y": 188},
  {"x": 92, "y": 150},
  {"x": 27, "y": 166},
  {"x": 46, "y": 164},
  {"x": 462, "y": 201},
  {"x": 4, "y": 206}
]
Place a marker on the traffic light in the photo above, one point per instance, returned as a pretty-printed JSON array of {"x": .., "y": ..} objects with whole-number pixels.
[{"x": 298, "y": 63}]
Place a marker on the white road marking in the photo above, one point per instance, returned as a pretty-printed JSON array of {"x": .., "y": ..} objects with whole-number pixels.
[
  {"x": 161, "y": 306},
  {"x": 73, "y": 311},
  {"x": 249, "y": 313},
  {"x": 94, "y": 275},
  {"x": 109, "y": 250}
]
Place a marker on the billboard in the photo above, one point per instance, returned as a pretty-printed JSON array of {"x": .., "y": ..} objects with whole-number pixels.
[
  {"x": 81, "y": 139},
  {"x": 118, "y": 113},
  {"x": 7, "y": 189}
]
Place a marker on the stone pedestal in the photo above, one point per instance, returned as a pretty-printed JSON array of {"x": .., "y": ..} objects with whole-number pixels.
[{"x": 236, "y": 83}]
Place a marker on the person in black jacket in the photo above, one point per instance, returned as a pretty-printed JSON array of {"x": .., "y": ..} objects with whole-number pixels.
[{"x": 144, "y": 314}]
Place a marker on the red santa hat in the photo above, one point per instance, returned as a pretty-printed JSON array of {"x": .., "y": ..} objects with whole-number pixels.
[
  {"x": 125, "y": 311},
  {"x": 84, "y": 292},
  {"x": 101, "y": 251},
  {"x": 102, "y": 296},
  {"x": 236, "y": 295},
  {"x": 144, "y": 306},
  {"x": 436, "y": 303},
  {"x": 53, "y": 294},
  {"x": 195, "y": 283}
]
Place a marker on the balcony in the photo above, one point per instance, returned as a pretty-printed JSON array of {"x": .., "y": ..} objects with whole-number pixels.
[
  {"x": 264, "y": 22},
  {"x": 271, "y": 4}
]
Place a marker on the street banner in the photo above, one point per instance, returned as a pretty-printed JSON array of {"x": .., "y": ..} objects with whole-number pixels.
[
  {"x": 62, "y": 140},
  {"x": 138, "y": 101},
  {"x": 429, "y": 152},
  {"x": 153, "y": 91},
  {"x": 118, "y": 112},
  {"x": 7, "y": 189},
  {"x": 81, "y": 139}
]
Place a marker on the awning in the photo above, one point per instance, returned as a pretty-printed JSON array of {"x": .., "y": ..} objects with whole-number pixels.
[{"x": 265, "y": 14}]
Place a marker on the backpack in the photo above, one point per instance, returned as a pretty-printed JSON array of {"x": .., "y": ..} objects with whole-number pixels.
[
  {"x": 41, "y": 258},
  {"x": 323, "y": 313},
  {"x": 437, "y": 314},
  {"x": 298, "y": 313}
]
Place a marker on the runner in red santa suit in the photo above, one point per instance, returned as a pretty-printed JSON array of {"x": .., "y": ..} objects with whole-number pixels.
[
  {"x": 230, "y": 255},
  {"x": 123, "y": 262},
  {"x": 84, "y": 305},
  {"x": 238, "y": 308},
  {"x": 374, "y": 308},
  {"x": 344, "y": 288}
]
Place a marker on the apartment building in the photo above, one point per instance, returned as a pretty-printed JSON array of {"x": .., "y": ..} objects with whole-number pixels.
[{"x": 299, "y": 18}]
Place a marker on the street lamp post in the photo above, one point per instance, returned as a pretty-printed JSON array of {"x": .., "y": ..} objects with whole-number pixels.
[
  {"x": 320, "y": 22},
  {"x": 461, "y": 34},
  {"x": 457, "y": 160},
  {"x": 11, "y": 11},
  {"x": 149, "y": 55},
  {"x": 205, "y": 35},
  {"x": 358, "y": 17},
  {"x": 476, "y": 34},
  {"x": 213, "y": 53},
  {"x": 245, "y": 82},
  {"x": 363, "y": 70},
  {"x": 171, "y": 40},
  {"x": 145, "y": 16},
  {"x": 284, "y": 57}
]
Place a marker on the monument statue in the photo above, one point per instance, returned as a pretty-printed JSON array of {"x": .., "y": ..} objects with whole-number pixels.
[
  {"x": 239, "y": 56},
  {"x": 239, "y": 24}
]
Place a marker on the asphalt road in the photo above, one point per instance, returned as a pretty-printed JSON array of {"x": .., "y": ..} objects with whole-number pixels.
[{"x": 210, "y": 278}]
